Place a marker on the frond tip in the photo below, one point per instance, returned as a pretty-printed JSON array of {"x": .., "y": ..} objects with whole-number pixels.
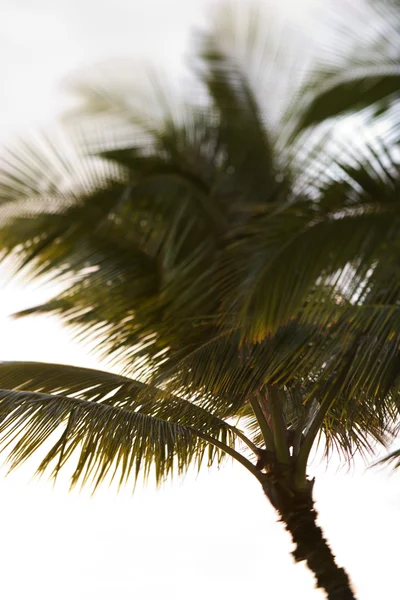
[{"x": 392, "y": 458}]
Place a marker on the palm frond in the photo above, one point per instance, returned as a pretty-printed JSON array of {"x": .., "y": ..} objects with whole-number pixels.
[
  {"x": 42, "y": 170},
  {"x": 391, "y": 458},
  {"x": 361, "y": 67},
  {"x": 241, "y": 129},
  {"x": 359, "y": 89},
  {"x": 112, "y": 425},
  {"x": 112, "y": 389}
]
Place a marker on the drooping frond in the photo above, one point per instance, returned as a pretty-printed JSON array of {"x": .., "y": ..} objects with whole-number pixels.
[
  {"x": 392, "y": 458},
  {"x": 362, "y": 87},
  {"x": 361, "y": 67},
  {"x": 111, "y": 425}
]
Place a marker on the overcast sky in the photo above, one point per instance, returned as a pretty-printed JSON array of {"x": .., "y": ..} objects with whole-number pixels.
[{"x": 214, "y": 535}]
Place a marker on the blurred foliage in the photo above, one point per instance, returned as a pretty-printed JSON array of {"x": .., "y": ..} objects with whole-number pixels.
[{"x": 229, "y": 245}]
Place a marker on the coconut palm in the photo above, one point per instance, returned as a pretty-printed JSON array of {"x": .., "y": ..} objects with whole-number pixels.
[{"x": 242, "y": 283}]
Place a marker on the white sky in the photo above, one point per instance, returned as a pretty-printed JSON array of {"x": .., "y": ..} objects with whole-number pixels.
[{"x": 213, "y": 536}]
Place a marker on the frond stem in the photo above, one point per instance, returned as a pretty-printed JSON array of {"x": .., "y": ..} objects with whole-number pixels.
[
  {"x": 262, "y": 421},
  {"x": 299, "y": 429},
  {"x": 231, "y": 451},
  {"x": 302, "y": 459},
  {"x": 279, "y": 425},
  {"x": 245, "y": 439}
]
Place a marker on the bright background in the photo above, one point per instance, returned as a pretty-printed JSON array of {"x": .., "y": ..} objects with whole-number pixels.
[{"x": 213, "y": 535}]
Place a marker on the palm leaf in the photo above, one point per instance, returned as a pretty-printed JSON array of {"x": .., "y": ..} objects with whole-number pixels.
[
  {"x": 391, "y": 458},
  {"x": 108, "y": 388},
  {"x": 362, "y": 72},
  {"x": 114, "y": 426},
  {"x": 359, "y": 89}
]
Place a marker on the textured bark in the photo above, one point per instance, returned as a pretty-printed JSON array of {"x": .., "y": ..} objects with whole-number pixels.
[{"x": 296, "y": 510}]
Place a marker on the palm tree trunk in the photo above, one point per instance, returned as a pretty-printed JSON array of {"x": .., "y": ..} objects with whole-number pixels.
[{"x": 296, "y": 510}]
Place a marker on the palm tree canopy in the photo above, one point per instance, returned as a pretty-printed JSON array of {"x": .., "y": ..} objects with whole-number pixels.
[{"x": 211, "y": 258}]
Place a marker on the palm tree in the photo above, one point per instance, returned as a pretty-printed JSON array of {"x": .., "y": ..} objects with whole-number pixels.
[{"x": 201, "y": 253}]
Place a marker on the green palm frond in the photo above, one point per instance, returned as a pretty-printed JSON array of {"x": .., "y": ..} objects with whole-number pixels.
[
  {"x": 392, "y": 458},
  {"x": 109, "y": 388},
  {"x": 241, "y": 129},
  {"x": 280, "y": 267},
  {"x": 363, "y": 72},
  {"x": 360, "y": 89},
  {"x": 111, "y": 438},
  {"x": 43, "y": 170},
  {"x": 114, "y": 426}
]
